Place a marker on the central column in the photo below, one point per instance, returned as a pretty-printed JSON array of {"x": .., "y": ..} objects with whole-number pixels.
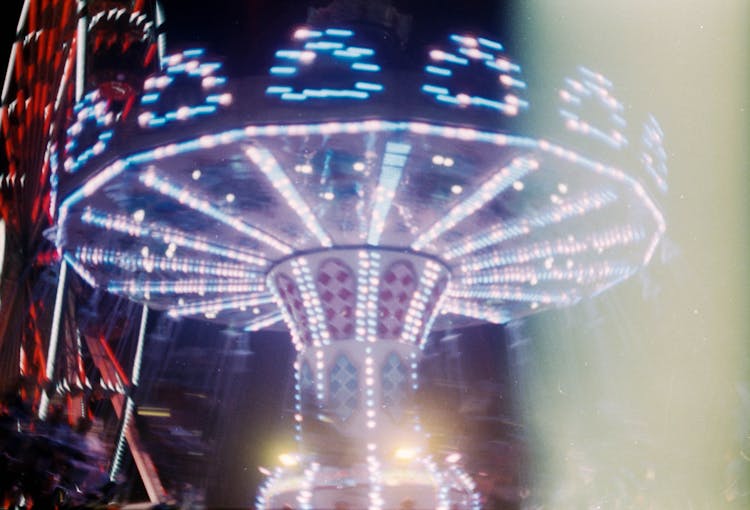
[{"x": 357, "y": 317}]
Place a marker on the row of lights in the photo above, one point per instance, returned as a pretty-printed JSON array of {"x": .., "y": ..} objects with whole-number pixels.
[
  {"x": 522, "y": 226},
  {"x": 353, "y": 58},
  {"x": 496, "y": 292},
  {"x": 91, "y": 109},
  {"x": 314, "y": 310},
  {"x": 264, "y": 321},
  {"x": 484, "y": 51},
  {"x": 533, "y": 275},
  {"x": 597, "y": 87},
  {"x": 148, "y": 263},
  {"x": 213, "y": 307},
  {"x": 190, "y": 198},
  {"x": 486, "y": 192},
  {"x": 548, "y": 249},
  {"x": 171, "y": 237},
  {"x": 654, "y": 157},
  {"x": 187, "y": 63},
  {"x": 200, "y": 286},
  {"x": 368, "y": 284},
  {"x": 417, "y": 313},
  {"x": 394, "y": 160},
  {"x": 268, "y": 165}
]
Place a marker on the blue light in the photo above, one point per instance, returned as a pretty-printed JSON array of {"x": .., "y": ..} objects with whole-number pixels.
[
  {"x": 432, "y": 89},
  {"x": 447, "y": 99},
  {"x": 195, "y": 52},
  {"x": 334, "y": 93},
  {"x": 276, "y": 89},
  {"x": 153, "y": 181},
  {"x": 289, "y": 54},
  {"x": 475, "y": 53},
  {"x": 368, "y": 52},
  {"x": 323, "y": 45},
  {"x": 481, "y": 101},
  {"x": 338, "y": 32},
  {"x": 441, "y": 71},
  {"x": 460, "y": 39},
  {"x": 363, "y": 85},
  {"x": 394, "y": 160},
  {"x": 346, "y": 54},
  {"x": 490, "y": 44},
  {"x": 283, "y": 70},
  {"x": 203, "y": 110},
  {"x": 293, "y": 96},
  {"x": 504, "y": 67},
  {"x": 150, "y": 98},
  {"x": 361, "y": 66},
  {"x": 178, "y": 68},
  {"x": 448, "y": 57}
]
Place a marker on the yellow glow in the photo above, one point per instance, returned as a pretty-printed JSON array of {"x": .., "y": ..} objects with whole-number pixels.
[
  {"x": 154, "y": 412},
  {"x": 288, "y": 459},
  {"x": 406, "y": 453}
]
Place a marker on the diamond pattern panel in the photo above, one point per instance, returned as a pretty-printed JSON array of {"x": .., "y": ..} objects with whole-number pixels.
[
  {"x": 343, "y": 388},
  {"x": 395, "y": 385},
  {"x": 397, "y": 285},
  {"x": 292, "y": 299},
  {"x": 337, "y": 286}
]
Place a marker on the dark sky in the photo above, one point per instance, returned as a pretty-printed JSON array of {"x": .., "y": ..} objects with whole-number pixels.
[{"x": 247, "y": 31}]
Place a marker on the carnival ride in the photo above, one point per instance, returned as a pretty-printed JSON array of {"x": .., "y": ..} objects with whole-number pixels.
[{"x": 355, "y": 197}]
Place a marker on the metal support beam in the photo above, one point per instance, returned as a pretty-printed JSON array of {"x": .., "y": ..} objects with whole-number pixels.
[
  {"x": 54, "y": 337},
  {"x": 161, "y": 35},
  {"x": 81, "y": 51},
  {"x": 128, "y": 434}
]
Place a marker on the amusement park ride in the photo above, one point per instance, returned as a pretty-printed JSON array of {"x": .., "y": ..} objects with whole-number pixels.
[{"x": 358, "y": 198}]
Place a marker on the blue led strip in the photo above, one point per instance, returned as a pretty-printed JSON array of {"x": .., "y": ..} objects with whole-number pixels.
[
  {"x": 654, "y": 157},
  {"x": 474, "y": 55},
  {"x": 195, "y": 286},
  {"x": 264, "y": 321},
  {"x": 267, "y": 164},
  {"x": 415, "y": 314},
  {"x": 181, "y": 239},
  {"x": 189, "y": 64},
  {"x": 316, "y": 52},
  {"x": 149, "y": 263},
  {"x": 498, "y": 292},
  {"x": 91, "y": 110},
  {"x": 501, "y": 180},
  {"x": 532, "y": 274},
  {"x": 215, "y": 306},
  {"x": 551, "y": 215},
  {"x": 394, "y": 160},
  {"x": 189, "y": 198},
  {"x": 585, "y": 95},
  {"x": 562, "y": 246}
]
